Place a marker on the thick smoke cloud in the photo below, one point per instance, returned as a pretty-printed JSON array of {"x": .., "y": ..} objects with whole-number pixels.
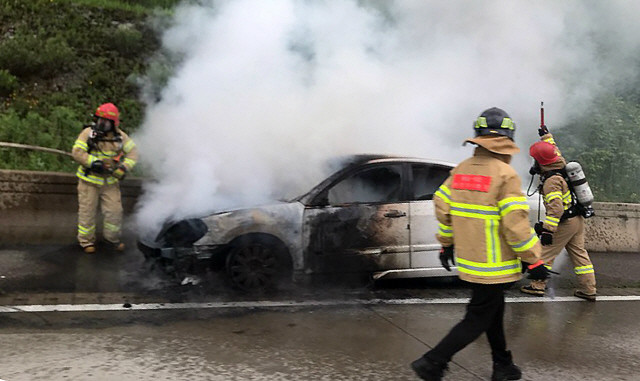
[{"x": 268, "y": 90}]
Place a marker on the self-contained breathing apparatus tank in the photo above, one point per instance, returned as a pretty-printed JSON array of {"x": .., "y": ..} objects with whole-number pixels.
[{"x": 580, "y": 186}]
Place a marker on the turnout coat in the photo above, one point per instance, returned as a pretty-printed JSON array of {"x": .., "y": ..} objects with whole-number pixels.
[{"x": 483, "y": 212}]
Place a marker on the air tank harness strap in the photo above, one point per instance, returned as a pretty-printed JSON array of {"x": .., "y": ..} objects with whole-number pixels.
[{"x": 573, "y": 210}]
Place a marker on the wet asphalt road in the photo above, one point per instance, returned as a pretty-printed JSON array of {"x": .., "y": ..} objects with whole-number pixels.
[
  {"x": 63, "y": 272},
  {"x": 550, "y": 341},
  {"x": 353, "y": 332}
]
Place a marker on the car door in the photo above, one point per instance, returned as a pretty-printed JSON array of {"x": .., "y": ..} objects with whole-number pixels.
[
  {"x": 361, "y": 224},
  {"x": 425, "y": 181}
]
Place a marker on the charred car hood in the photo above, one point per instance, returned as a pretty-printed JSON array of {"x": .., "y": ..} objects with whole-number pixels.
[{"x": 282, "y": 220}]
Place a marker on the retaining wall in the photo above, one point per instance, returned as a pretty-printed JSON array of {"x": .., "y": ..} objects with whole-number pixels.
[{"x": 41, "y": 207}]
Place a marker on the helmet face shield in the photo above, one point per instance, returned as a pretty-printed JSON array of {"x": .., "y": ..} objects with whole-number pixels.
[
  {"x": 535, "y": 168},
  {"x": 495, "y": 121},
  {"x": 104, "y": 125}
]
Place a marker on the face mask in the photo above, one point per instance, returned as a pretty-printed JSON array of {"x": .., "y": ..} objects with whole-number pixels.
[
  {"x": 104, "y": 125},
  {"x": 535, "y": 169}
]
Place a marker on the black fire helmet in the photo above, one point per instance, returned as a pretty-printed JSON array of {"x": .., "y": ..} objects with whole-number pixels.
[{"x": 495, "y": 121}]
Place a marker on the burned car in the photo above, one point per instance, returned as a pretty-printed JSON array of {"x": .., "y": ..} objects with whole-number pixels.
[{"x": 374, "y": 216}]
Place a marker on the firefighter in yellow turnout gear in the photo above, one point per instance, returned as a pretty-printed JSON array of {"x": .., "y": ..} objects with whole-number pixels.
[
  {"x": 563, "y": 225},
  {"x": 483, "y": 216},
  {"x": 105, "y": 154}
]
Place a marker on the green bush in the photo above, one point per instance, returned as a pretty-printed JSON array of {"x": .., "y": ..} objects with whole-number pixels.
[
  {"x": 19, "y": 55},
  {"x": 55, "y": 56},
  {"x": 8, "y": 83},
  {"x": 27, "y": 55},
  {"x": 57, "y": 130},
  {"x": 126, "y": 40}
]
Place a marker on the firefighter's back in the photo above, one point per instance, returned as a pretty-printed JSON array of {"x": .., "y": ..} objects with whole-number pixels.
[{"x": 477, "y": 187}]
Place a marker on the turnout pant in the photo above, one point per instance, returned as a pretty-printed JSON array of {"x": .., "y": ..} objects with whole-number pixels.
[
  {"x": 570, "y": 235},
  {"x": 485, "y": 313},
  {"x": 109, "y": 199}
]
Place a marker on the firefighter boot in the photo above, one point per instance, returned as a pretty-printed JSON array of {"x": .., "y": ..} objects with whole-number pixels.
[
  {"x": 585, "y": 296},
  {"x": 428, "y": 369},
  {"x": 89, "y": 249},
  {"x": 536, "y": 287},
  {"x": 116, "y": 246},
  {"x": 503, "y": 367}
]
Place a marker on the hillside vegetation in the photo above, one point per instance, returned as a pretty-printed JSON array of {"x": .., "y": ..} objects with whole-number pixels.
[
  {"x": 606, "y": 142},
  {"x": 59, "y": 59}
]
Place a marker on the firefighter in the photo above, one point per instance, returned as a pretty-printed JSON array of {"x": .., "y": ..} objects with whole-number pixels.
[
  {"x": 105, "y": 154},
  {"x": 563, "y": 225},
  {"x": 483, "y": 219}
]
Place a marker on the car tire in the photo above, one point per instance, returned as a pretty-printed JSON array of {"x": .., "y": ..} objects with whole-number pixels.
[{"x": 258, "y": 264}]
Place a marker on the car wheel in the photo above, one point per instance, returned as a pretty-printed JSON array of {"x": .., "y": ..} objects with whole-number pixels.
[{"x": 257, "y": 265}]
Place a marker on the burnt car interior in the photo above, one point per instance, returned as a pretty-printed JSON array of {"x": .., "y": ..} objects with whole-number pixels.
[
  {"x": 384, "y": 183},
  {"x": 377, "y": 184},
  {"x": 426, "y": 180}
]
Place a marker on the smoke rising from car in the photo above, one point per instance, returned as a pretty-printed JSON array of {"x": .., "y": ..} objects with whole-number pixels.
[{"x": 266, "y": 91}]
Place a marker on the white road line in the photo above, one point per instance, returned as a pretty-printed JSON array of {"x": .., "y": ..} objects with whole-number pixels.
[{"x": 285, "y": 304}]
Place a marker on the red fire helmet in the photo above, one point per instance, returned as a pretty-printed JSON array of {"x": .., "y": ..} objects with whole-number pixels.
[
  {"x": 545, "y": 153},
  {"x": 109, "y": 111}
]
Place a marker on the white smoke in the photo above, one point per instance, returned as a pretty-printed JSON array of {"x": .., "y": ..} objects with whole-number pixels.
[{"x": 268, "y": 90}]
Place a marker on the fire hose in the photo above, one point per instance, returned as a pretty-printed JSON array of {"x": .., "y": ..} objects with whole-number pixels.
[
  {"x": 50, "y": 150},
  {"x": 34, "y": 148}
]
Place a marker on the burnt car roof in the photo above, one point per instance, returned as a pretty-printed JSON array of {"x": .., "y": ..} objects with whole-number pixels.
[{"x": 341, "y": 164}]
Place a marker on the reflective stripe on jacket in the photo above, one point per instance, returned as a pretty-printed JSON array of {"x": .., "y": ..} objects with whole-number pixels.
[
  {"x": 484, "y": 213},
  {"x": 557, "y": 199},
  {"x": 107, "y": 152}
]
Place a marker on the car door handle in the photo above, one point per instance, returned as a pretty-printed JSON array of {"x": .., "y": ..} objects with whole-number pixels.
[{"x": 395, "y": 214}]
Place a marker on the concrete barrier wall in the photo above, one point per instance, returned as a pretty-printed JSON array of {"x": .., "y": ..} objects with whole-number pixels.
[
  {"x": 615, "y": 227},
  {"x": 41, "y": 207}
]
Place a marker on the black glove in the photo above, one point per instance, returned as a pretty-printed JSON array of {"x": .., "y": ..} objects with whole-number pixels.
[
  {"x": 98, "y": 167},
  {"x": 524, "y": 266},
  {"x": 546, "y": 236},
  {"x": 538, "y": 228},
  {"x": 538, "y": 271},
  {"x": 543, "y": 130},
  {"x": 446, "y": 255}
]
